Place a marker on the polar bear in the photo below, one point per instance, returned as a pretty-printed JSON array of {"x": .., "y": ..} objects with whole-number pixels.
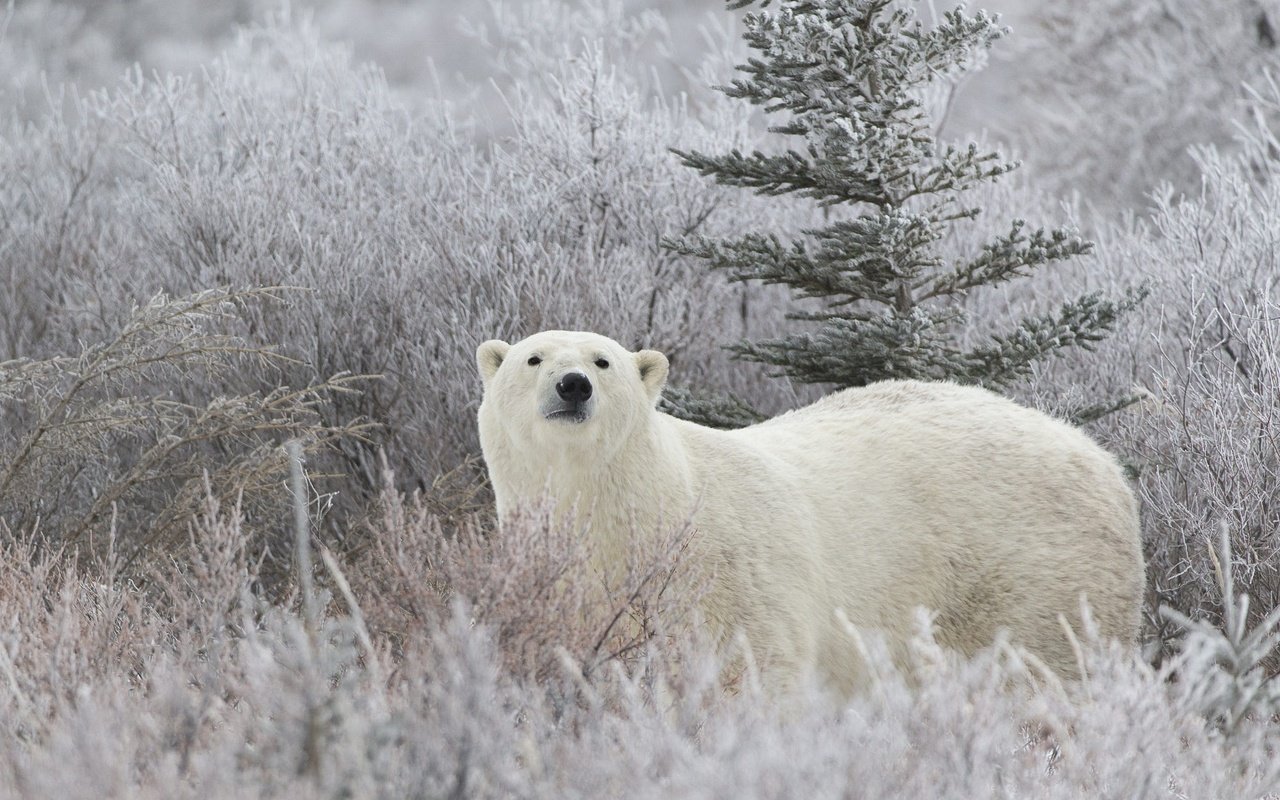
[{"x": 873, "y": 501}]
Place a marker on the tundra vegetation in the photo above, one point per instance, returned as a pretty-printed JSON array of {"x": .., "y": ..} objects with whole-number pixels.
[{"x": 224, "y": 229}]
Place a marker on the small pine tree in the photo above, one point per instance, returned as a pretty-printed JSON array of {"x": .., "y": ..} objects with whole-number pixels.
[{"x": 849, "y": 76}]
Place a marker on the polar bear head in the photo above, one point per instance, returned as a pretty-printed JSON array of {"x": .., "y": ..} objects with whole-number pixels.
[{"x": 564, "y": 390}]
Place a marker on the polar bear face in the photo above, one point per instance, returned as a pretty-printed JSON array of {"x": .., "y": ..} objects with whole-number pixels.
[{"x": 564, "y": 389}]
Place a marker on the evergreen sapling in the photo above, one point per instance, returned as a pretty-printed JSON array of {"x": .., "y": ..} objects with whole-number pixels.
[{"x": 848, "y": 78}]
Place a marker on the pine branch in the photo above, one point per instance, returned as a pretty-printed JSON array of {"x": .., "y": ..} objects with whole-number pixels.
[
  {"x": 1013, "y": 255},
  {"x": 854, "y": 352},
  {"x": 714, "y": 412},
  {"x": 957, "y": 170},
  {"x": 1092, "y": 412},
  {"x": 860, "y": 259},
  {"x": 783, "y": 174},
  {"x": 1077, "y": 323}
]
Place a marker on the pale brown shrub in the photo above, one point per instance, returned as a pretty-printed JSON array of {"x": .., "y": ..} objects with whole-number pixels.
[{"x": 536, "y": 582}]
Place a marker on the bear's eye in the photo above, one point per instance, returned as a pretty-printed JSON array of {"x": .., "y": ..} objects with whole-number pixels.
[
  {"x": 534, "y": 361},
  {"x": 602, "y": 363}
]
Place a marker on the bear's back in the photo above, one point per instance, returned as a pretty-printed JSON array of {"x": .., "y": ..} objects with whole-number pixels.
[
  {"x": 905, "y": 419},
  {"x": 954, "y": 498},
  {"x": 897, "y": 397}
]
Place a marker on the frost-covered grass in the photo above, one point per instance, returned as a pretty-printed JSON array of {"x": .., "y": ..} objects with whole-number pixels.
[
  {"x": 437, "y": 684},
  {"x": 153, "y": 642}
]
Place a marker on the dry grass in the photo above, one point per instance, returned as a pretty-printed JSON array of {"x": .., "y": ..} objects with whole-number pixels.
[{"x": 105, "y": 449}]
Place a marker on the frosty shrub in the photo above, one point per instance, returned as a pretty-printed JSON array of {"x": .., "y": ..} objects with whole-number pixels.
[
  {"x": 1119, "y": 90},
  {"x": 106, "y": 440},
  {"x": 1205, "y": 445},
  {"x": 286, "y": 163},
  {"x": 1222, "y": 671}
]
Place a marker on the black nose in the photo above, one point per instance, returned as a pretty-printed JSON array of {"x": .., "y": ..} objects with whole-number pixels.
[{"x": 574, "y": 387}]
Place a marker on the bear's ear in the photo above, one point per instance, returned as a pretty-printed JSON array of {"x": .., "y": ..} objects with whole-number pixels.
[
  {"x": 489, "y": 357},
  {"x": 653, "y": 368}
]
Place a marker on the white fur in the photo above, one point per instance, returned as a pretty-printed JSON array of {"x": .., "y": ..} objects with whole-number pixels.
[{"x": 875, "y": 500}]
